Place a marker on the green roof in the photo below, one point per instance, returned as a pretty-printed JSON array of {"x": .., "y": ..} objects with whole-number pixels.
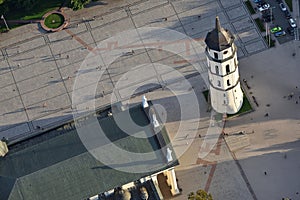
[{"x": 61, "y": 167}]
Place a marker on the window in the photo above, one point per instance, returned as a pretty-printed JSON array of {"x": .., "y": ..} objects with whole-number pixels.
[
  {"x": 219, "y": 83},
  {"x": 227, "y": 69},
  {"x": 224, "y": 95},
  {"x": 217, "y": 70},
  {"x": 224, "y": 102},
  {"x": 216, "y": 55},
  {"x": 228, "y": 83},
  {"x": 225, "y": 52}
]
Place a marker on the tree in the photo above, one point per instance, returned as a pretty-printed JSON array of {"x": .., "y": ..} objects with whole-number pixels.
[
  {"x": 79, "y": 4},
  {"x": 200, "y": 195}
]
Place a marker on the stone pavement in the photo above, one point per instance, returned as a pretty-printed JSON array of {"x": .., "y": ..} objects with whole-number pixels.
[
  {"x": 38, "y": 69},
  {"x": 37, "y": 73},
  {"x": 274, "y": 144},
  {"x": 217, "y": 172}
]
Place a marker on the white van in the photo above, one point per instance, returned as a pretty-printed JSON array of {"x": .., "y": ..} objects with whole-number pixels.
[{"x": 292, "y": 23}]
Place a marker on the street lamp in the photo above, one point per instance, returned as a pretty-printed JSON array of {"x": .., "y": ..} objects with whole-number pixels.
[
  {"x": 271, "y": 8},
  {"x": 2, "y": 17}
]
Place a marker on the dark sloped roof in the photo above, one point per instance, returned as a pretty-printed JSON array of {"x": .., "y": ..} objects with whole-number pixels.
[
  {"x": 7, "y": 184},
  {"x": 219, "y": 38},
  {"x": 62, "y": 168}
]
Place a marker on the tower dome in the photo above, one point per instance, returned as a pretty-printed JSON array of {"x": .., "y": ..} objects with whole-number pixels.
[{"x": 219, "y": 38}]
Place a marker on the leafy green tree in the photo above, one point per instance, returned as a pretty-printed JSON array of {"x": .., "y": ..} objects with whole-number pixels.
[
  {"x": 200, "y": 195},
  {"x": 79, "y": 4},
  {"x": 3, "y": 7}
]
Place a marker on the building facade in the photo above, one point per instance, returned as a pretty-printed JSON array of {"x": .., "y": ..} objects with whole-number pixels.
[{"x": 226, "y": 95}]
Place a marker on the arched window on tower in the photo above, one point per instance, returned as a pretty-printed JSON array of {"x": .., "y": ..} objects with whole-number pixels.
[
  {"x": 227, "y": 69},
  {"x": 217, "y": 69},
  {"x": 216, "y": 55},
  {"x": 228, "y": 82}
]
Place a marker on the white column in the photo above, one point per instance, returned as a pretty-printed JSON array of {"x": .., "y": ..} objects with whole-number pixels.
[{"x": 172, "y": 180}]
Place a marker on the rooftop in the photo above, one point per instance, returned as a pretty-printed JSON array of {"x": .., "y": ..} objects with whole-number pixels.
[
  {"x": 219, "y": 38},
  {"x": 57, "y": 165}
]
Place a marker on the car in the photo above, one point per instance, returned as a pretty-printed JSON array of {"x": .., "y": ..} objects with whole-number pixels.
[
  {"x": 280, "y": 33},
  {"x": 276, "y": 29},
  {"x": 279, "y": 1},
  {"x": 282, "y": 7},
  {"x": 263, "y": 7},
  {"x": 256, "y": 1},
  {"x": 292, "y": 23},
  {"x": 287, "y": 14},
  {"x": 291, "y": 31}
]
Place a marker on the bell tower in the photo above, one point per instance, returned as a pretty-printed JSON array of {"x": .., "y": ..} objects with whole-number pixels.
[{"x": 223, "y": 74}]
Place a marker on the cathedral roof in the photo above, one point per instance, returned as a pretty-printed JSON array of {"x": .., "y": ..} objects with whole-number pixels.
[{"x": 219, "y": 38}]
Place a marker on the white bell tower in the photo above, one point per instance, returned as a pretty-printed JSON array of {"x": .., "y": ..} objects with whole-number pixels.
[{"x": 223, "y": 74}]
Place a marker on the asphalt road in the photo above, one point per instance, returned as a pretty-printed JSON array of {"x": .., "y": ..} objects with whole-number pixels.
[{"x": 280, "y": 20}]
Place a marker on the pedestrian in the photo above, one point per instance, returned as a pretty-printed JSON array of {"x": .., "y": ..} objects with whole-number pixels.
[
  {"x": 265, "y": 173},
  {"x": 165, "y": 19},
  {"x": 199, "y": 16},
  {"x": 285, "y": 156},
  {"x": 199, "y": 135},
  {"x": 68, "y": 56},
  {"x": 132, "y": 51},
  {"x": 186, "y": 136}
]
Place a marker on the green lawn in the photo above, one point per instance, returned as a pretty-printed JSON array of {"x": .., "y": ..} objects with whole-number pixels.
[
  {"x": 245, "y": 107},
  {"x": 260, "y": 24},
  {"x": 250, "y": 8},
  {"x": 272, "y": 42},
  {"x": 205, "y": 93},
  {"x": 290, "y": 4},
  {"x": 54, "y": 20},
  {"x": 41, "y": 8}
]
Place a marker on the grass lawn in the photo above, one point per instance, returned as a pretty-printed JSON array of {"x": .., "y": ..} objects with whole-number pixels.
[
  {"x": 245, "y": 107},
  {"x": 250, "y": 8},
  {"x": 205, "y": 93},
  {"x": 54, "y": 20},
  {"x": 260, "y": 24},
  {"x": 272, "y": 42},
  {"x": 290, "y": 4},
  {"x": 41, "y": 8}
]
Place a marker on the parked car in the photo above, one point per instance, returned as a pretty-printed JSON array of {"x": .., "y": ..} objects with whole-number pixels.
[
  {"x": 263, "y": 7},
  {"x": 276, "y": 29},
  {"x": 280, "y": 33},
  {"x": 287, "y": 14},
  {"x": 279, "y": 1},
  {"x": 291, "y": 31},
  {"x": 256, "y": 1},
  {"x": 282, "y": 7},
  {"x": 292, "y": 23}
]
